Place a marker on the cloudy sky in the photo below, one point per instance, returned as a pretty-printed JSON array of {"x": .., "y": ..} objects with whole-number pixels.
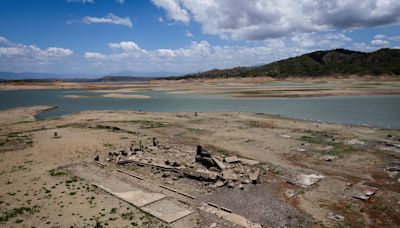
[{"x": 104, "y": 36}]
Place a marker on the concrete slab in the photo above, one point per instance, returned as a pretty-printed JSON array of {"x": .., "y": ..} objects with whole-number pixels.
[
  {"x": 167, "y": 210},
  {"x": 139, "y": 198},
  {"x": 231, "y": 159},
  {"x": 363, "y": 192}
]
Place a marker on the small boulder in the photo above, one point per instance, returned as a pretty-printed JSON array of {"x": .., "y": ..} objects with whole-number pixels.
[{"x": 231, "y": 159}]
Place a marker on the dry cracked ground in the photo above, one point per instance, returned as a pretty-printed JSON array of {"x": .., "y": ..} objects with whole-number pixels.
[{"x": 311, "y": 174}]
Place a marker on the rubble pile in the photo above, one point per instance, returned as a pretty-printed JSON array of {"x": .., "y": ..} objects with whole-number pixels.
[{"x": 176, "y": 162}]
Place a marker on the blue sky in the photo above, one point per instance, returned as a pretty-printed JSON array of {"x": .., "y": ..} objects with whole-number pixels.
[{"x": 104, "y": 36}]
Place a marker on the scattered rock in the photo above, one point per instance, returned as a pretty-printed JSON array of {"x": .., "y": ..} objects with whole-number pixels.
[
  {"x": 355, "y": 142},
  {"x": 335, "y": 217},
  {"x": 290, "y": 193},
  {"x": 166, "y": 147},
  {"x": 199, "y": 174},
  {"x": 229, "y": 175},
  {"x": 176, "y": 164},
  {"x": 165, "y": 175},
  {"x": 305, "y": 180},
  {"x": 286, "y": 136},
  {"x": 248, "y": 162},
  {"x": 328, "y": 158},
  {"x": 97, "y": 158},
  {"x": 219, "y": 184},
  {"x": 176, "y": 177},
  {"x": 301, "y": 150},
  {"x": 218, "y": 163},
  {"x": 231, "y": 159},
  {"x": 213, "y": 169},
  {"x": 241, "y": 186},
  {"x": 213, "y": 225},
  {"x": 254, "y": 177},
  {"x": 394, "y": 166},
  {"x": 231, "y": 184}
]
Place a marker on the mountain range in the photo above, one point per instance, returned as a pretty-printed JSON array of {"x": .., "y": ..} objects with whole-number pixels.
[
  {"x": 338, "y": 62},
  {"x": 85, "y": 76}
]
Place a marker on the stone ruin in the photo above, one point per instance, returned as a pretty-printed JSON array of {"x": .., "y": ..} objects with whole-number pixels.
[{"x": 228, "y": 171}]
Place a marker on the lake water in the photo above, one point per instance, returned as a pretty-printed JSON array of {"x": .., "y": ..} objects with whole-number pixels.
[{"x": 379, "y": 111}]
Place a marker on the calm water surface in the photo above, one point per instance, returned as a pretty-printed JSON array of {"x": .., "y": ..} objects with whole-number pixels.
[{"x": 380, "y": 111}]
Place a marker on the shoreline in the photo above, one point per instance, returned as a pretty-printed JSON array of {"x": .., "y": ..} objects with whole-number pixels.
[{"x": 277, "y": 116}]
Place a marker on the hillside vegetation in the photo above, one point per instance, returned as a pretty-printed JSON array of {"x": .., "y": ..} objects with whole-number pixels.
[{"x": 321, "y": 63}]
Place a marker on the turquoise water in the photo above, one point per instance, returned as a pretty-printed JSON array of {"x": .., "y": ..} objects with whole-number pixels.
[{"x": 379, "y": 111}]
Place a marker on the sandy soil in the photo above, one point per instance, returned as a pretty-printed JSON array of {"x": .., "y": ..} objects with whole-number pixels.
[
  {"x": 126, "y": 96},
  {"x": 43, "y": 183},
  {"x": 76, "y": 96}
]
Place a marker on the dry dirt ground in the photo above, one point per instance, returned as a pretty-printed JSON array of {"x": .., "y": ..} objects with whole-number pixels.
[
  {"x": 309, "y": 175},
  {"x": 258, "y": 87}
]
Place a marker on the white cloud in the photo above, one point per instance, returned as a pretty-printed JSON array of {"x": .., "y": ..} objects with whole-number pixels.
[
  {"x": 381, "y": 40},
  {"x": 263, "y": 19},
  {"x": 165, "y": 53},
  {"x": 109, "y": 19},
  {"x": 94, "y": 55},
  {"x": 15, "y": 56},
  {"x": 189, "y": 34},
  {"x": 126, "y": 46},
  {"x": 378, "y": 42},
  {"x": 32, "y": 51},
  {"x": 4, "y": 41},
  {"x": 174, "y": 10},
  {"x": 120, "y": 1}
]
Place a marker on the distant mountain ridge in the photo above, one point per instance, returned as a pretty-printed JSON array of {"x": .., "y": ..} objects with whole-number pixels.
[
  {"x": 118, "y": 76},
  {"x": 320, "y": 63}
]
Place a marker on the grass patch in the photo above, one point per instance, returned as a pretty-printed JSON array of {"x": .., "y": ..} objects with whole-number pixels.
[
  {"x": 9, "y": 214},
  {"x": 258, "y": 124},
  {"x": 149, "y": 123},
  {"x": 379, "y": 207},
  {"x": 55, "y": 172},
  {"x": 70, "y": 125},
  {"x": 72, "y": 179},
  {"x": 196, "y": 131},
  {"x": 15, "y": 141},
  {"x": 98, "y": 126},
  {"x": 322, "y": 138},
  {"x": 25, "y": 121},
  {"x": 127, "y": 215},
  {"x": 109, "y": 145}
]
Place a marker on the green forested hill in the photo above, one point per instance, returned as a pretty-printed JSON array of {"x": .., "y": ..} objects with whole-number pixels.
[{"x": 321, "y": 63}]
